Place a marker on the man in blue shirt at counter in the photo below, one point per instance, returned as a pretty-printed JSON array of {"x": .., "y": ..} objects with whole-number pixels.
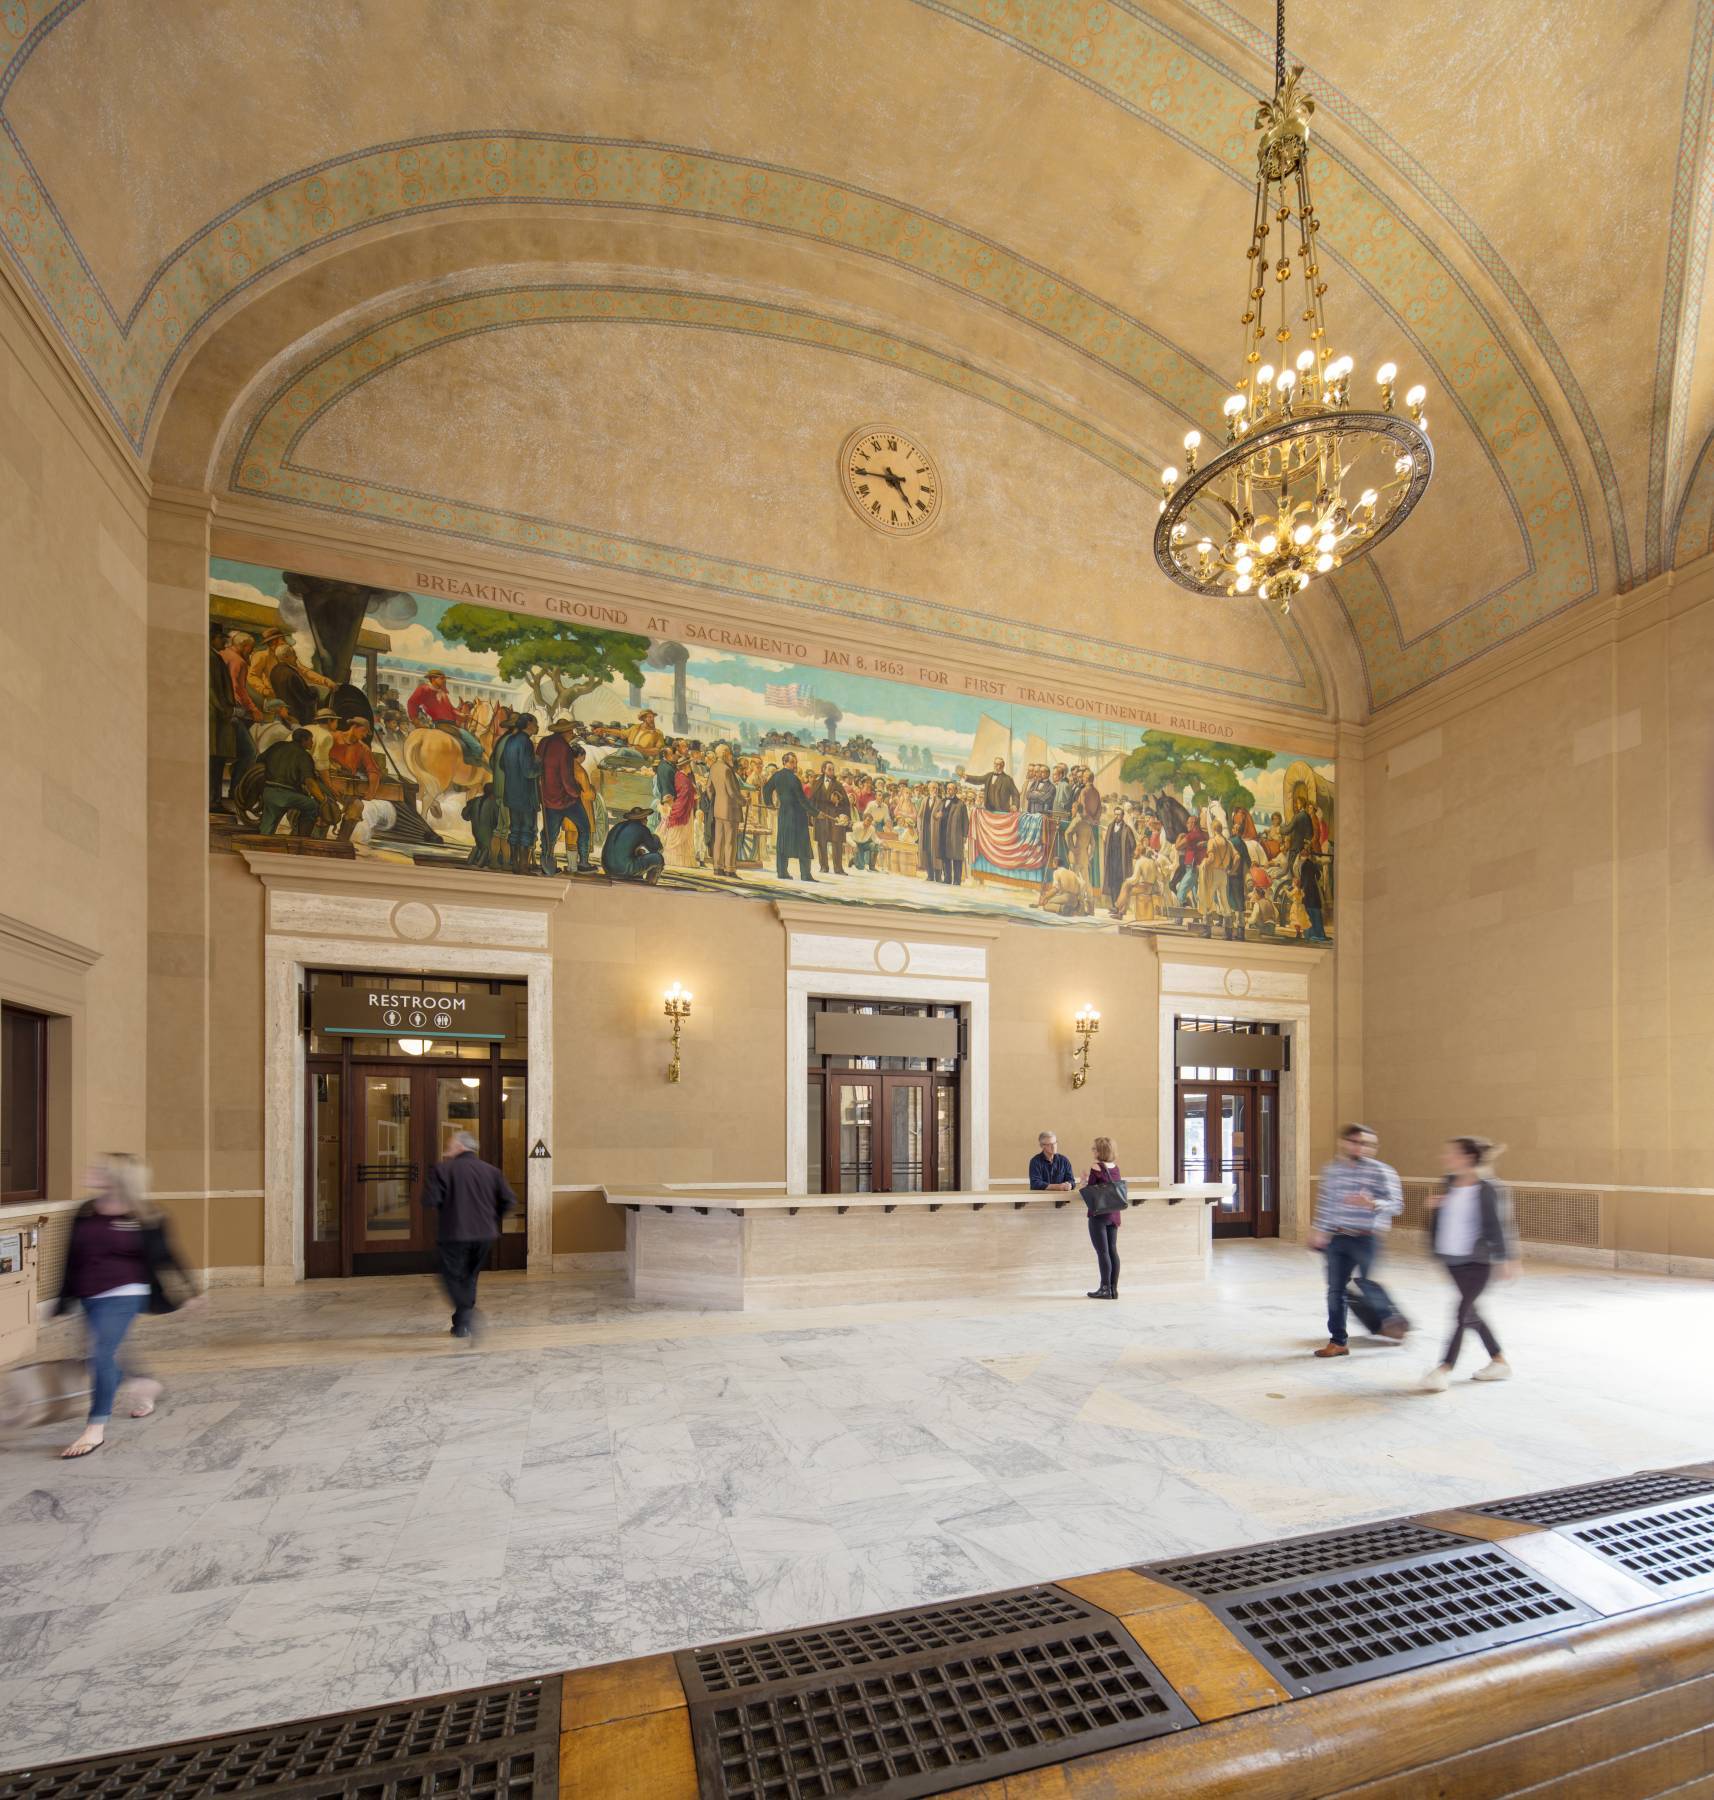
[{"x": 1049, "y": 1171}]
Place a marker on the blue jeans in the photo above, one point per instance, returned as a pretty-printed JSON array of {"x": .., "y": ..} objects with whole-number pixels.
[
  {"x": 1350, "y": 1258},
  {"x": 108, "y": 1319}
]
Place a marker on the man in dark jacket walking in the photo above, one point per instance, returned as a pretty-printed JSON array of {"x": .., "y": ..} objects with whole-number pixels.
[{"x": 472, "y": 1198}]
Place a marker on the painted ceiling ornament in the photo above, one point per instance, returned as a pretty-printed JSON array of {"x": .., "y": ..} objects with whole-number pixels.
[{"x": 1305, "y": 482}]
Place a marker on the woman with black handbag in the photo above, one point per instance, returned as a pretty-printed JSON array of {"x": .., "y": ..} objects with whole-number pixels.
[
  {"x": 1105, "y": 1197},
  {"x": 115, "y": 1259}
]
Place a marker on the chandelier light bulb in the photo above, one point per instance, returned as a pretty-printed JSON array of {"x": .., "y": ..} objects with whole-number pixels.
[
  {"x": 1192, "y": 439},
  {"x": 1244, "y": 564},
  {"x": 1242, "y": 584},
  {"x": 1417, "y": 395},
  {"x": 1305, "y": 361},
  {"x": 1287, "y": 380},
  {"x": 1262, "y": 591},
  {"x": 1339, "y": 368},
  {"x": 1323, "y": 563},
  {"x": 1302, "y": 535},
  {"x": 1235, "y": 404},
  {"x": 1385, "y": 373},
  {"x": 1404, "y": 465},
  {"x": 1205, "y": 548},
  {"x": 1268, "y": 545},
  {"x": 1169, "y": 476},
  {"x": 1180, "y": 532},
  {"x": 1326, "y": 541},
  {"x": 1265, "y": 375}
]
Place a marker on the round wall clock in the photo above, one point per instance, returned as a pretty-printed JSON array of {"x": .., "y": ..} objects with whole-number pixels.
[{"x": 891, "y": 481}]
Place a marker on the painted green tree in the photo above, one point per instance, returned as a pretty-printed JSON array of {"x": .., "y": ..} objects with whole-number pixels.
[
  {"x": 1165, "y": 760},
  {"x": 559, "y": 663}
]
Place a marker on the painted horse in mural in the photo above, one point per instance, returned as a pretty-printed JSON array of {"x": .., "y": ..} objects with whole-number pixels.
[{"x": 434, "y": 760}]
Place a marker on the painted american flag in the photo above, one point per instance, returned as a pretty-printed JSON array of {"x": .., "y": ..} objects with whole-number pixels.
[{"x": 1008, "y": 840}]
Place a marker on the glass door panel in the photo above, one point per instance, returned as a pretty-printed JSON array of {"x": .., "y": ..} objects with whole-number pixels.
[
  {"x": 907, "y": 1136},
  {"x": 1234, "y": 1157},
  {"x": 816, "y": 1127},
  {"x": 1193, "y": 1138},
  {"x": 854, "y": 1125},
  {"x": 327, "y": 1145},
  {"x": 458, "y": 1107},
  {"x": 1267, "y": 1181},
  {"x": 946, "y": 1136},
  {"x": 514, "y": 1145},
  {"x": 388, "y": 1174}
]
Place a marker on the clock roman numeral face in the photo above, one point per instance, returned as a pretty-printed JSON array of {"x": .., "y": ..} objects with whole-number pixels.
[{"x": 890, "y": 480}]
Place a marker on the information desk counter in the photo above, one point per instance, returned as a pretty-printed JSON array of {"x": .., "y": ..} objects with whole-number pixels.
[{"x": 753, "y": 1248}]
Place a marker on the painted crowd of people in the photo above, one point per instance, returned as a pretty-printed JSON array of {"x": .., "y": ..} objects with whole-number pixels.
[{"x": 537, "y": 793}]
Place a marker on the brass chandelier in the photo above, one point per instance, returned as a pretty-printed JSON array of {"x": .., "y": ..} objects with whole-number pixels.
[{"x": 1304, "y": 482}]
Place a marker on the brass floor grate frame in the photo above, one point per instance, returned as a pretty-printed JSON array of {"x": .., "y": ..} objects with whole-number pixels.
[
  {"x": 1332, "y": 1631},
  {"x": 1593, "y": 1499},
  {"x": 499, "y": 1743},
  {"x": 1671, "y": 1548},
  {"x": 1298, "y": 1559},
  {"x": 940, "y": 1696}
]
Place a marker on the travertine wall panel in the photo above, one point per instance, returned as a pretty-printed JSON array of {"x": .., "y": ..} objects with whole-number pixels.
[
  {"x": 73, "y": 719},
  {"x": 1539, "y": 945}
]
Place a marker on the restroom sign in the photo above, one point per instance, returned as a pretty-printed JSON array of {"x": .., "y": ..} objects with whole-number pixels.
[{"x": 405, "y": 1012}]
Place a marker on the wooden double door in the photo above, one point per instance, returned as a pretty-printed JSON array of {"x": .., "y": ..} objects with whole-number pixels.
[
  {"x": 882, "y": 1133},
  {"x": 375, "y": 1129},
  {"x": 1228, "y": 1131}
]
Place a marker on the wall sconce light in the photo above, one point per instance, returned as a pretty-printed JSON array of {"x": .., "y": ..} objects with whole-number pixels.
[
  {"x": 1087, "y": 1022},
  {"x": 678, "y": 1010}
]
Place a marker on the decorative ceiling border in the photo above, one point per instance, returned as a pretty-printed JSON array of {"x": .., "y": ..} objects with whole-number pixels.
[
  {"x": 314, "y": 207},
  {"x": 263, "y": 466},
  {"x": 1681, "y": 298},
  {"x": 1693, "y": 527}
]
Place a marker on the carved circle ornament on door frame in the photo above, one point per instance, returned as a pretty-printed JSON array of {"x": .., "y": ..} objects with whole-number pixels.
[{"x": 892, "y": 483}]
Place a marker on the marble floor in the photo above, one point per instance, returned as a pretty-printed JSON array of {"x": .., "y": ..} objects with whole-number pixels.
[{"x": 338, "y": 1504}]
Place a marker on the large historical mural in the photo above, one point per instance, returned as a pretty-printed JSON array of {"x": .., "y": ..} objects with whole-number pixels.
[{"x": 357, "y": 721}]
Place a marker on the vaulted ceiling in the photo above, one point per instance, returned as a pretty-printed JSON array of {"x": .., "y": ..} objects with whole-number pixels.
[{"x": 605, "y": 286}]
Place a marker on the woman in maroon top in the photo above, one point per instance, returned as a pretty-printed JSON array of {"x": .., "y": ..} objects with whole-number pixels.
[
  {"x": 113, "y": 1265},
  {"x": 1104, "y": 1226}
]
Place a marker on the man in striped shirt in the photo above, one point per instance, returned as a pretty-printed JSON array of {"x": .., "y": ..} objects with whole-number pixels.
[{"x": 1356, "y": 1200}]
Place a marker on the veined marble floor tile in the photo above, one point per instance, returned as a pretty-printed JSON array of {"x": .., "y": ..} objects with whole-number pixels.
[{"x": 335, "y": 1505}]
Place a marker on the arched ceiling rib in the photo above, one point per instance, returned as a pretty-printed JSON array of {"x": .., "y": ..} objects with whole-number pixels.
[{"x": 1050, "y": 189}]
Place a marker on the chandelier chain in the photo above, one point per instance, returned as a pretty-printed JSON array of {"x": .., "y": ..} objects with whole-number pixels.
[{"x": 1279, "y": 45}]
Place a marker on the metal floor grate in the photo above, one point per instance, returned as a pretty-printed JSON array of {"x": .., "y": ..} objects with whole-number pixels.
[
  {"x": 937, "y": 1697},
  {"x": 1297, "y": 1559},
  {"x": 1316, "y": 1635},
  {"x": 488, "y": 1744},
  {"x": 856, "y": 1643},
  {"x": 1673, "y": 1548},
  {"x": 1591, "y": 1499}
]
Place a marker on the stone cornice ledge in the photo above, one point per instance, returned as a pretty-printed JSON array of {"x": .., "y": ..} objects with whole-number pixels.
[
  {"x": 1249, "y": 954},
  {"x": 32, "y": 938},
  {"x": 392, "y": 881},
  {"x": 856, "y": 920}
]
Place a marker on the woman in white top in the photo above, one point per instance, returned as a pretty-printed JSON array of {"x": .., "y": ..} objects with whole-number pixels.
[{"x": 1470, "y": 1228}]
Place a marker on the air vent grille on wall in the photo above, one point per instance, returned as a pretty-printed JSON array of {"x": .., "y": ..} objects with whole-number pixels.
[
  {"x": 488, "y": 1744},
  {"x": 1594, "y": 1499},
  {"x": 1326, "y": 1634},
  {"x": 1557, "y": 1216},
  {"x": 934, "y": 1698},
  {"x": 1296, "y": 1559},
  {"x": 1669, "y": 1549}
]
